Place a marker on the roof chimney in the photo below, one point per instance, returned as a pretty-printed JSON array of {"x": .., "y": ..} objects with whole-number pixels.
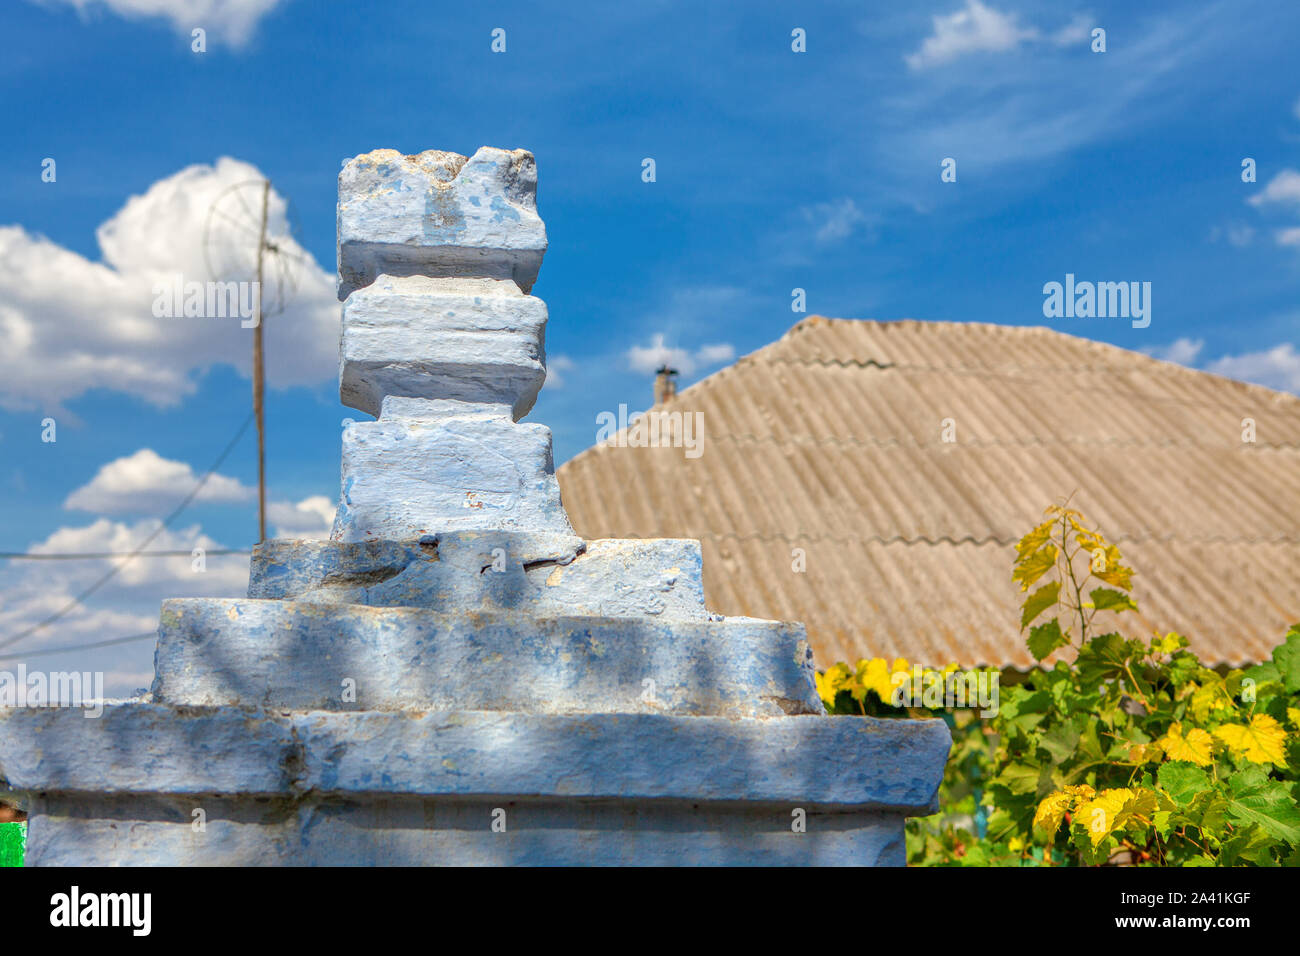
[{"x": 665, "y": 384}]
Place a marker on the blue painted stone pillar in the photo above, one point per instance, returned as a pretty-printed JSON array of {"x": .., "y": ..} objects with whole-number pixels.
[{"x": 455, "y": 677}]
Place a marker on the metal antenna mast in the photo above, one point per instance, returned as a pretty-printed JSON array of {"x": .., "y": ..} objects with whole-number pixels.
[
  {"x": 259, "y": 376},
  {"x": 235, "y": 222}
]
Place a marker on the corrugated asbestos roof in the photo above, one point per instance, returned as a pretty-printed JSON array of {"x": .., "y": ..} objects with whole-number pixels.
[{"x": 829, "y": 440}]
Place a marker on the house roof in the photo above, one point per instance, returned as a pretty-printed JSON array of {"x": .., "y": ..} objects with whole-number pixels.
[{"x": 829, "y": 440}]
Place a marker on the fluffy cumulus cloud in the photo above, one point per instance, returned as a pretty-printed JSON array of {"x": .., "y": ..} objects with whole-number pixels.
[
  {"x": 147, "y": 482},
  {"x": 649, "y": 358},
  {"x": 230, "y": 20},
  {"x": 978, "y": 28},
  {"x": 1282, "y": 189},
  {"x": 71, "y": 325},
  {"x": 1281, "y": 194},
  {"x": 310, "y": 518},
  {"x": 1277, "y": 367},
  {"x": 975, "y": 29},
  {"x": 126, "y": 605},
  {"x": 558, "y": 368},
  {"x": 1182, "y": 351}
]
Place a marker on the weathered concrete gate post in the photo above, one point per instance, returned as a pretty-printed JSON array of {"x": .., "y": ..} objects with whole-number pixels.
[{"x": 456, "y": 677}]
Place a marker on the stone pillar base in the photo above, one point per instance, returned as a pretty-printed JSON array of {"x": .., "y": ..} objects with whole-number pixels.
[{"x": 153, "y": 784}]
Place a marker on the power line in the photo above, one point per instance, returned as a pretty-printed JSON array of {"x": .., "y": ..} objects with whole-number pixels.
[
  {"x": 166, "y": 522},
  {"x": 69, "y": 648},
  {"x": 97, "y": 555}
]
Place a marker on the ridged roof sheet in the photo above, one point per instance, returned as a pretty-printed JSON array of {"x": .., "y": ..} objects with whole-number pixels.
[{"x": 830, "y": 440}]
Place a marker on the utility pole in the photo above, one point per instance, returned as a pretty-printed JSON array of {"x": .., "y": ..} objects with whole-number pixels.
[{"x": 259, "y": 378}]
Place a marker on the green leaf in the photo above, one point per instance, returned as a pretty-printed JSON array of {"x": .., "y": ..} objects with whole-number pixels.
[
  {"x": 1251, "y": 844},
  {"x": 1045, "y": 638},
  {"x": 1038, "y": 602},
  {"x": 1183, "y": 781},
  {"x": 1160, "y": 820},
  {"x": 1247, "y": 778},
  {"x": 1184, "y": 667},
  {"x": 1272, "y": 807},
  {"x": 1286, "y": 658},
  {"x": 1106, "y": 658},
  {"x": 1062, "y": 741},
  {"x": 1264, "y": 673},
  {"x": 1019, "y": 778},
  {"x": 1105, "y": 599},
  {"x": 1208, "y": 812}
]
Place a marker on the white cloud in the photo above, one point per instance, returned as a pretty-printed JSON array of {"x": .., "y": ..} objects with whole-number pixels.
[
  {"x": 1183, "y": 351},
  {"x": 145, "y": 482},
  {"x": 715, "y": 354},
  {"x": 1020, "y": 110},
  {"x": 106, "y": 535},
  {"x": 313, "y": 517},
  {"x": 71, "y": 325},
  {"x": 126, "y": 605},
  {"x": 1278, "y": 367},
  {"x": 648, "y": 359},
  {"x": 557, "y": 367},
  {"x": 1236, "y": 234},
  {"x": 1076, "y": 31},
  {"x": 1282, "y": 188},
  {"x": 976, "y": 29},
  {"x": 232, "y": 20},
  {"x": 834, "y": 220}
]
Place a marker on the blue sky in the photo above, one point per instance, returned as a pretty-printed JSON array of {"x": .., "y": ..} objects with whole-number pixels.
[{"x": 775, "y": 170}]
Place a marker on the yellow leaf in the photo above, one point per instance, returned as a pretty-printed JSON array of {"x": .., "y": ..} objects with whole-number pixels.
[
  {"x": 1032, "y": 567},
  {"x": 1051, "y": 810},
  {"x": 1111, "y": 810},
  {"x": 1034, "y": 539},
  {"x": 1089, "y": 540},
  {"x": 1197, "y": 746},
  {"x": 1102, "y": 813},
  {"x": 1211, "y": 698},
  {"x": 1113, "y": 573},
  {"x": 832, "y": 682},
  {"x": 1169, "y": 643},
  {"x": 1261, "y": 741},
  {"x": 874, "y": 675}
]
